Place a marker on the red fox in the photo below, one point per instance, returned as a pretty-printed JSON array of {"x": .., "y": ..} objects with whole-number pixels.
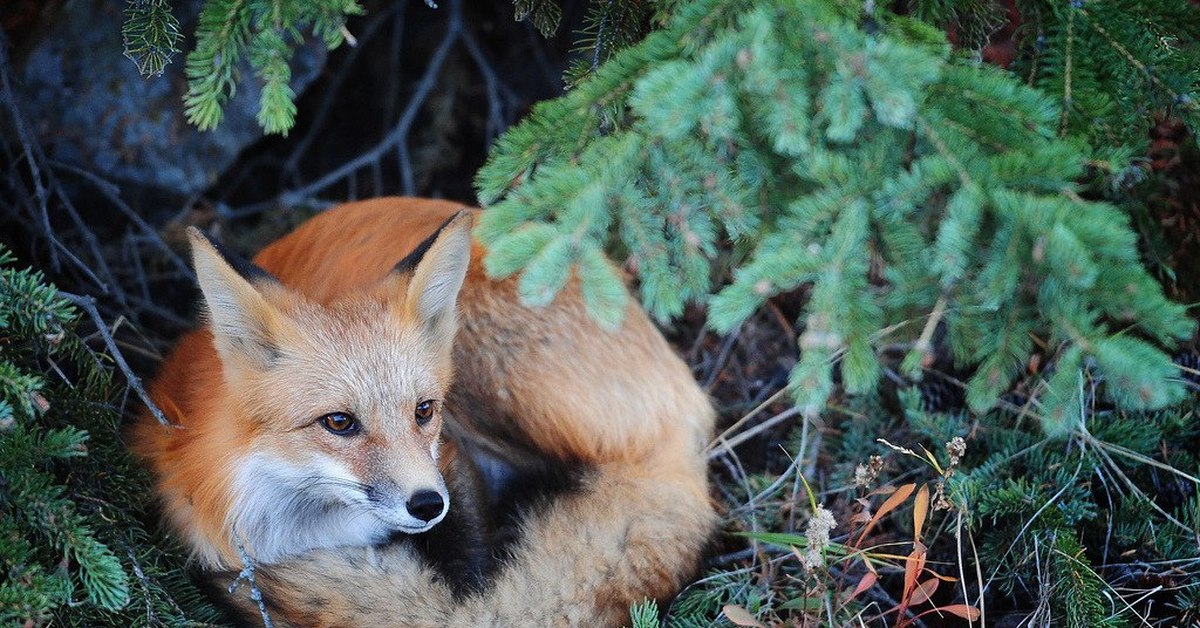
[{"x": 321, "y": 416}]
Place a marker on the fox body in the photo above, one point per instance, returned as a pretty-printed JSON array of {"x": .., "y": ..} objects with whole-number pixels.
[{"x": 346, "y": 388}]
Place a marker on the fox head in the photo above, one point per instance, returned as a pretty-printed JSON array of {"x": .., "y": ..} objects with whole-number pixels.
[{"x": 336, "y": 408}]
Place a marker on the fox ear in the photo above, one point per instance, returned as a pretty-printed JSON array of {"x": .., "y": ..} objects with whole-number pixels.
[
  {"x": 244, "y": 323},
  {"x": 438, "y": 266}
]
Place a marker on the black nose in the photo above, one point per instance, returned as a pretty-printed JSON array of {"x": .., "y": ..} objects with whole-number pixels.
[{"x": 425, "y": 505}]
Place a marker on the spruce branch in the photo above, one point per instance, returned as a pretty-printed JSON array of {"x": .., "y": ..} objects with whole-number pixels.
[
  {"x": 221, "y": 37},
  {"x": 545, "y": 14},
  {"x": 151, "y": 35},
  {"x": 885, "y": 149},
  {"x": 267, "y": 34}
]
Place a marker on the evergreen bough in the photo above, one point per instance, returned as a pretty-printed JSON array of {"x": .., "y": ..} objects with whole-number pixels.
[
  {"x": 151, "y": 35},
  {"x": 38, "y": 515},
  {"x": 230, "y": 32},
  {"x": 266, "y": 31},
  {"x": 1112, "y": 67},
  {"x": 72, "y": 549},
  {"x": 908, "y": 186},
  {"x": 1067, "y": 522}
]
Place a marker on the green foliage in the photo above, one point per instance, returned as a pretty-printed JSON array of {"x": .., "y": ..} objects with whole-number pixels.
[
  {"x": 644, "y": 614},
  {"x": 1062, "y": 513},
  {"x": 65, "y": 479},
  {"x": 35, "y": 501},
  {"x": 268, "y": 31},
  {"x": 545, "y": 14},
  {"x": 151, "y": 35},
  {"x": 264, "y": 32},
  {"x": 1078, "y": 589},
  {"x": 884, "y": 173},
  {"x": 1112, "y": 67}
]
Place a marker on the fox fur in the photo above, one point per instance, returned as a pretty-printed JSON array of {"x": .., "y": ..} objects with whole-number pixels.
[{"x": 355, "y": 312}]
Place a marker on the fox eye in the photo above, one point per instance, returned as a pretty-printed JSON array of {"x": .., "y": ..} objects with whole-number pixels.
[
  {"x": 340, "y": 423},
  {"x": 424, "y": 412}
]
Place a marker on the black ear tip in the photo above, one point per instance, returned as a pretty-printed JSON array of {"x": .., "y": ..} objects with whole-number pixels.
[
  {"x": 242, "y": 266},
  {"x": 410, "y": 261}
]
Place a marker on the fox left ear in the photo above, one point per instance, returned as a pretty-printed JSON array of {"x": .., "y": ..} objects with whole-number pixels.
[{"x": 438, "y": 266}]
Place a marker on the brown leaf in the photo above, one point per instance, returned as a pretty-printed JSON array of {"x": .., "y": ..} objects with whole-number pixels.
[
  {"x": 40, "y": 402},
  {"x": 868, "y": 581},
  {"x": 740, "y": 616},
  {"x": 886, "y": 489},
  {"x": 924, "y": 591},
  {"x": 912, "y": 569},
  {"x": 940, "y": 576}
]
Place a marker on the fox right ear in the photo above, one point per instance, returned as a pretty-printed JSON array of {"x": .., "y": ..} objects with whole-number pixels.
[{"x": 244, "y": 323}]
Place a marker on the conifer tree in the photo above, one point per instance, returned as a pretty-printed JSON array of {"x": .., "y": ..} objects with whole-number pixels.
[
  {"x": 908, "y": 186},
  {"x": 72, "y": 502},
  {"x": 1111, "y": 67}
]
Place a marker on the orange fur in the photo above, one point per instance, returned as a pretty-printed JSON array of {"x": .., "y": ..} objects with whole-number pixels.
[{"x": 543, "y": 383}]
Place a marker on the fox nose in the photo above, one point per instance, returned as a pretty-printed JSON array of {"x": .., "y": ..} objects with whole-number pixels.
[{"x": 426, "y": 505}]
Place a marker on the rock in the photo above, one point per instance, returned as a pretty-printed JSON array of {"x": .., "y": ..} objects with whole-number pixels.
[{"x": 90, "y": 107}]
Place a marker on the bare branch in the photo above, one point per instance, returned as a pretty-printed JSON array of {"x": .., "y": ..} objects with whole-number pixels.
[
  {"x": 247, "y": 576},
  {"x": 88, "y": 305}
]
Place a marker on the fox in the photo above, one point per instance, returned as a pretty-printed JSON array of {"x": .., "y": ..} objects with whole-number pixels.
[{"x": 361, "y": 396}]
